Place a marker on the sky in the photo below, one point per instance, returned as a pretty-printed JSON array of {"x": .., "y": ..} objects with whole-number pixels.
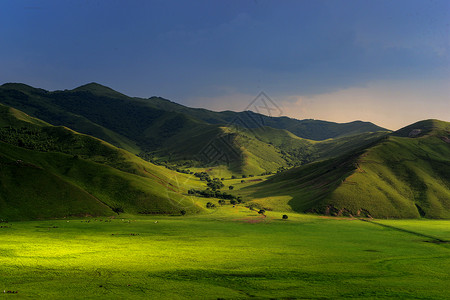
[{"x": 386, "y": 62}]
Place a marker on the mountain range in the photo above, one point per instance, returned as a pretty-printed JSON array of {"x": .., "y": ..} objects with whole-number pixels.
[
  {"x": 164, "y": 131},
  {"x": 95, "y": 151}
]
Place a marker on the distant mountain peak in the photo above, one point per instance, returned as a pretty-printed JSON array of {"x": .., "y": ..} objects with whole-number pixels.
[
  {"x": 21, "y": 87},
  {"x": 425, "y": 127},
  {"x": 99, "y": 90}
]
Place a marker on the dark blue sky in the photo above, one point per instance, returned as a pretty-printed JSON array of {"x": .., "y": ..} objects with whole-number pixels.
[{"x": 335, "y": 60}]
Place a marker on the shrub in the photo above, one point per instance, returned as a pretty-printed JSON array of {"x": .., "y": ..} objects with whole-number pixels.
[
  {"x": 117, "y": 209},
  {"x": 285, "y": 217},
  {"x": 231, "y": 187}
]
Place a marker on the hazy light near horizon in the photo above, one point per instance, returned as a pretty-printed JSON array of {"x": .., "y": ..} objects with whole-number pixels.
[{"x": 391, "y": 105}]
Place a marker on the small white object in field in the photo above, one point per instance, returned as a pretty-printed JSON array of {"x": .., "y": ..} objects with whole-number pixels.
[{"x": 156, "y": 222}]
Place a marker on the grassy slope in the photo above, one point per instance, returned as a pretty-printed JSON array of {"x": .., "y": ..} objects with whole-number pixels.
[
  {"x": 398, "y": 177},
  {"x": 93, "y": 175},
  {"x": 225, "y": 254},
  {"x": 402, "y": 177}
]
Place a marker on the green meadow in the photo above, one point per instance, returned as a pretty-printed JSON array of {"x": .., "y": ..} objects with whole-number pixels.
[{"x": 227, "y": 253}]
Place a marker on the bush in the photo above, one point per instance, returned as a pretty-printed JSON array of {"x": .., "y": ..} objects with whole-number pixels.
[
  {"x": 231, "y": 187},
  {"x": 117, "y": 209},
  {"x": 285, "y": 217},
  {"x": 261, "y": 211},
  {"x": 183, "y": 212},
  {"x": 210, "y": 205}
]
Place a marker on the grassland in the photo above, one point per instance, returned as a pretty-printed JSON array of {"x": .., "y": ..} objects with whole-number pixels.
[{"x": 230, "y": 253}]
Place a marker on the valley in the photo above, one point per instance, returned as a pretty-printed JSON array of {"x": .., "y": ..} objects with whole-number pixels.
[{"x": 107, "y": 196}]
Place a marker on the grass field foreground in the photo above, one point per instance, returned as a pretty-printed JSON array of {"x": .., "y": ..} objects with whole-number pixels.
[{"x": 230, "y": 253}]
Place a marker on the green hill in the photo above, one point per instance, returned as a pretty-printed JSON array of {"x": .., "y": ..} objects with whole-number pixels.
[
  {"x": 404, "y": 175},
  {"x": 49, "y": 171},
  {"x": 168, "y": 133}
]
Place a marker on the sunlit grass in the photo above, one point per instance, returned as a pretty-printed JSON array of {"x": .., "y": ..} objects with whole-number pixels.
[{"x": 228, "y": 252}]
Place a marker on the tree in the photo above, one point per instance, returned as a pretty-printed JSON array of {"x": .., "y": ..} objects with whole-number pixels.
[
  {"x": 261, "y": 211},
  {"x": 233, "y": 177},
  {"x": 233, "y": 202},
  {"x": 242, "y": 181},
  {"x": 231, "y": 187},
  {"x": 117, "y": 209},
  {"x": 221, "y": 202},
  {"x": 183, "y": 212},
  {"x": 244, "y": 176},
  {"x": 285, "y": 217},
  {"x": 210, "y": 205},
  {"x": 215, "y": 184}
]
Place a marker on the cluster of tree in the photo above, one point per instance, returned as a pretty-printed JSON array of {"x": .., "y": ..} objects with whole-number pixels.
[
  {"x": 58, "y": 139},
  {"x": 203, "y": 176},
  {"x": 29, "y": 138},
  {"x": 215, "y": 184},
  {"x": 208, "y": 193},
  {"x": 245, "y": 176},
  {"x": 266, "y": 173},
  {"x": 180, "y": 167},
  {"x": 223, "y": 202}
]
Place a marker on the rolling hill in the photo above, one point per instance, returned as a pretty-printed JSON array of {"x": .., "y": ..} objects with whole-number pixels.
[
  {"x": 164, "y": 132},
  {"x": 404, "y": 175},
  {"x": 49, "y": 171}
]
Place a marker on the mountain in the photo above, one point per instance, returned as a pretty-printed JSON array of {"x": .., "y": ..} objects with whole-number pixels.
[
  {"x": 51, "y": 171},
  {"x": 406, "y": 174},
  {"x": 168, "y": 133},
  {"x": 309, "y": 129}
]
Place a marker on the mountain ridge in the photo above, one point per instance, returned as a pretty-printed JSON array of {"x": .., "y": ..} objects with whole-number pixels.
[{"x": 167, "y": 132}]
